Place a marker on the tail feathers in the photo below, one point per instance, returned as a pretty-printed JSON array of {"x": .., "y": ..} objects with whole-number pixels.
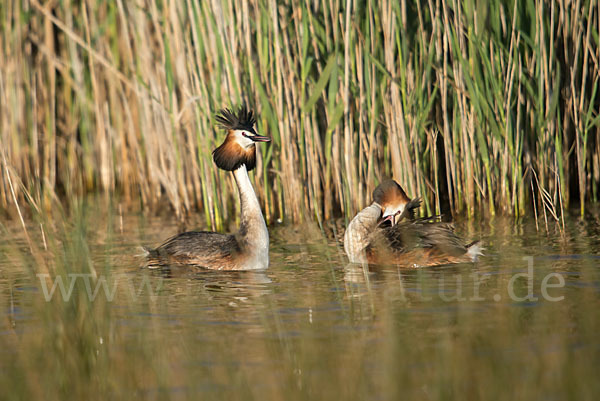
[
  {"x": 144, "y": 252},
  {"x": 148, "y": 256},
  {"x": 474, "y": 250}
]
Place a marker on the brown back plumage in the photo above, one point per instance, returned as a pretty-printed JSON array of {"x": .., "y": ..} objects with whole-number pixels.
[
  {"x": 199, "y": 248},
  {"x": 423, "y": 242}
]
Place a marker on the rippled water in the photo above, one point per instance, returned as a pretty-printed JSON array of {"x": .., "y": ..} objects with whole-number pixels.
[{"x": 311, "y": 327}]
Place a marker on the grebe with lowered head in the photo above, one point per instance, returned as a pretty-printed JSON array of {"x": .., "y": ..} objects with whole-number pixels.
[
  {"x": 406, "y": 241},
  {"x": 248, "y": 249}
]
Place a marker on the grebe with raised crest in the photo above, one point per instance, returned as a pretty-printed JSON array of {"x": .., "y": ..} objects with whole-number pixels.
[{"x": 248, "y": 249}]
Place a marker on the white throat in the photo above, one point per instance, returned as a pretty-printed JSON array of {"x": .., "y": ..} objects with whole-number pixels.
[{"x": 253, "y": 235}]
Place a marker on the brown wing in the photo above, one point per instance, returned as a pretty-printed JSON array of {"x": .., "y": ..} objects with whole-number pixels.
[
  {"x": 427, "y": 234},
  {"x": 200, "y": 248}
]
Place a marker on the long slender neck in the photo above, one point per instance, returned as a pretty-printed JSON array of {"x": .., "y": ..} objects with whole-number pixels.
[
  {"x": 356, "y": 237},
  {"x": 253, "y": 232}
]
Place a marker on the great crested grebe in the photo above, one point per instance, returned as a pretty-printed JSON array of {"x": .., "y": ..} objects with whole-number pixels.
[
  {"x": 248, "y": 249},
  {"x": 406, "y": 241}
]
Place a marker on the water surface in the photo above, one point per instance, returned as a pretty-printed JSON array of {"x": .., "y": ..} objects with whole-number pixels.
[{"x": 310, "y": 327}]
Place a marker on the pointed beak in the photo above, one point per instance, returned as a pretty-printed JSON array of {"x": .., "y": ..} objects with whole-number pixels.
[
  {"x": 389, "y": 218},
  {"x": 394, "y": 217},
  {"x": 260, "y": 138}
]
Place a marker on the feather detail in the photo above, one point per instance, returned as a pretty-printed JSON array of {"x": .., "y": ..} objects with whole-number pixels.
[
  {"x": 243, "y": 119},
  {"x": 230, "y": 156}
]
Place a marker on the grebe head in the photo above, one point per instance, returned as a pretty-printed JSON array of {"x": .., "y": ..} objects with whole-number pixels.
[
  {"x": 239, "y": 145},
  {"x": 392, "y": 199}
]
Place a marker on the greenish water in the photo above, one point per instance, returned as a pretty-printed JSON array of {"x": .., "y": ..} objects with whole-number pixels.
[{"x": 311, "y": 327}]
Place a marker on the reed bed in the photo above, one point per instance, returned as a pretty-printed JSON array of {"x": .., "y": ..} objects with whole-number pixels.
[{"x": 478, "y": 107}]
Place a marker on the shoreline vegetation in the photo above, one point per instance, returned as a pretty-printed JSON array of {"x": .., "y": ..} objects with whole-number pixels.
[{"x": 478, "y": 107}]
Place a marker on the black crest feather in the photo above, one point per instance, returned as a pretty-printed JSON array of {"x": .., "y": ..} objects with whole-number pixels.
[{"x": 243, "y": 119}]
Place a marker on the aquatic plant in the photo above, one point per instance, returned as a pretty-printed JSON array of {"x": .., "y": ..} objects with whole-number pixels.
[{"x": 476, "y": 106}]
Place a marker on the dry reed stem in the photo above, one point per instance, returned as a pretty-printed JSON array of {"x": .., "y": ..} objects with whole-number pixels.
[{"x": 455, "y": 101}]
